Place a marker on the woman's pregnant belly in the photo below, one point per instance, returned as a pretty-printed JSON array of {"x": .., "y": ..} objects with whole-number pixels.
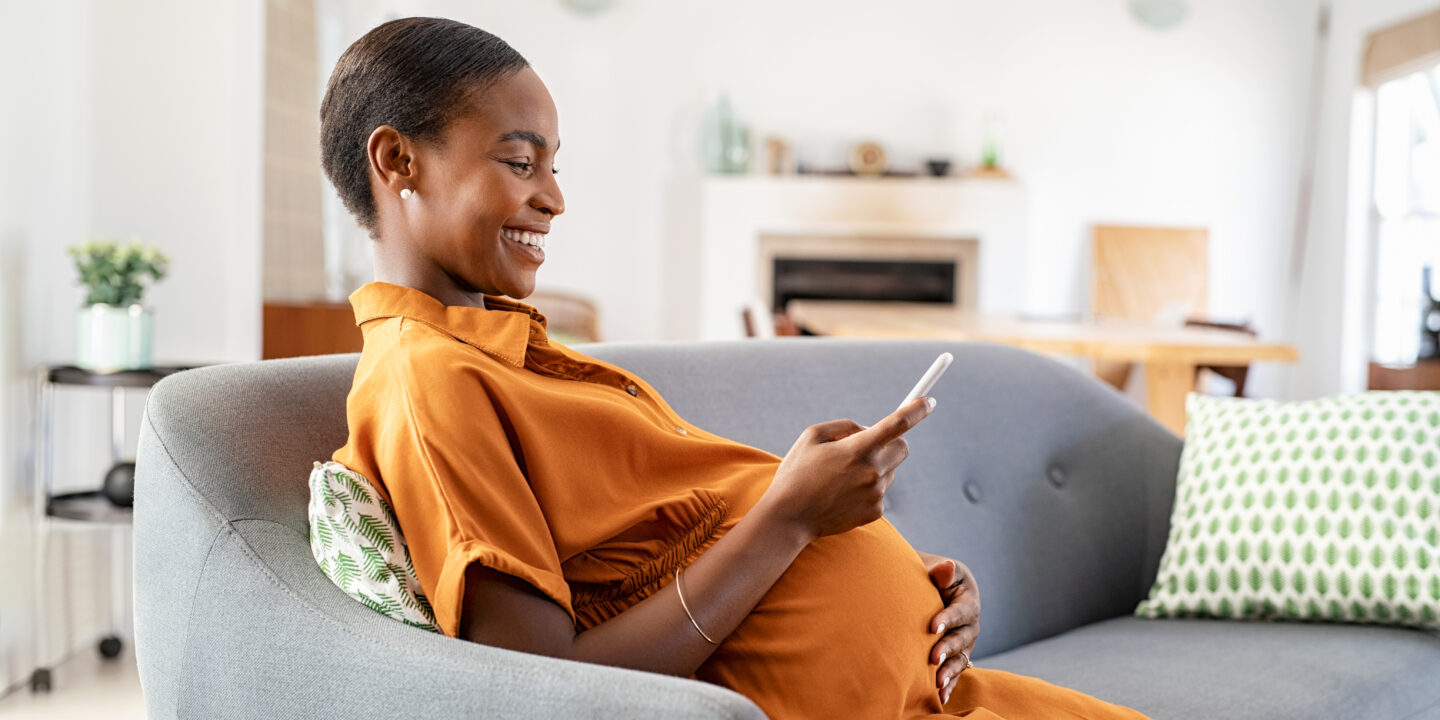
[{"x": 844, "y": 633}]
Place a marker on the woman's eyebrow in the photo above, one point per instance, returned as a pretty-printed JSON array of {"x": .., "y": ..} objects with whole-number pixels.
[{"x": 529, "y": 136}]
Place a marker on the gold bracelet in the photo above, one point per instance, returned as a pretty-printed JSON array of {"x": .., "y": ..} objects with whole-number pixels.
[{"x": 681, "y": 593}]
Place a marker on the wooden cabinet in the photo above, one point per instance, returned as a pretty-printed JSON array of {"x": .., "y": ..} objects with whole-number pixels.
[{"x": 295, "y": 329}]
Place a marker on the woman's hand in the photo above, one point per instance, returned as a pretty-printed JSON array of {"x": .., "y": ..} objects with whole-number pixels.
[
  {"x": 835, "y": 477},
  {"x": 958, "y": 624}
]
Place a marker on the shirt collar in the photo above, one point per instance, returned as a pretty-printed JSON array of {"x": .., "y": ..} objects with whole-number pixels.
[{"x": 502, "y": 328}]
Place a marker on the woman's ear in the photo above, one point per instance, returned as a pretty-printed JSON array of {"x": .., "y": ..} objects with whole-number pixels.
[{"x": 391, "y": 160}]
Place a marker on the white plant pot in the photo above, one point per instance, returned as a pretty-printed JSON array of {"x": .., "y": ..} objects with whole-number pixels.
[{"x": 111, "y": 339}]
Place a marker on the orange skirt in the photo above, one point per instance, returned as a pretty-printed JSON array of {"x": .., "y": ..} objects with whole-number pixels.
[{"x": 984, "y": 694}]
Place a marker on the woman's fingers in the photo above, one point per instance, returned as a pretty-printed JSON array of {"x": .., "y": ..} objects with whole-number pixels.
[
  {"x": 887, "y": 459},
  {"x": 949, "y": 689},
  {"x": 945, "y": 574},
  {"x": 885, "y": 482},
  {"x": 949, "y": 672},
  {"x": 954, "y": 642},
  {"x": 894, "y": 425},
  {"x": 832, "y": 430},
  {"x": 957, "y": 612}
]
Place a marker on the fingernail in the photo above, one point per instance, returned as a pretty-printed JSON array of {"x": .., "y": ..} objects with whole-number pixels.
[
  {"x": 943, "y": 655},
  {"x": 930, "y": 402},
  {"x": 940, "y": 629}
]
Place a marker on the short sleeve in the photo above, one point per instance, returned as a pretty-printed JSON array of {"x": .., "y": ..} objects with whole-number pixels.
[{"x": 461, "y": 496}]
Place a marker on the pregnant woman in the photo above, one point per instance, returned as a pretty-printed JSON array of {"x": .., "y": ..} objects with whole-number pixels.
[{"x": 555, "y": 504}]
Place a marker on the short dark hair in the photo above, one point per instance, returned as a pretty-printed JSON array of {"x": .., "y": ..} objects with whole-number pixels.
[{"x": 413, "y": 74}]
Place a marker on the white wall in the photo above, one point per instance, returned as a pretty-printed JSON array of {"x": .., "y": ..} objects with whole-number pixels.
[
  {"x": 35, "y": 207},
  {"x": 143, "y": 118},
  {"x": 176, "y": 112},
  {"x": 133, "y": 119},
  {"x": 1332, "y": 306},
  {"x": 150, "y": 130},
  {"x": 1103, "y": 121}
]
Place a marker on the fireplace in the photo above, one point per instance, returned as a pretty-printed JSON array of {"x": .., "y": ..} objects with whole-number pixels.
[
  {"x": 902, "y": 280},
  {"x": 957, "y": 241},
  {"x": 874, "y": 268}
]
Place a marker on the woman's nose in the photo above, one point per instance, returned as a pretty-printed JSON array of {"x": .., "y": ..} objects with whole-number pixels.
[{"x": 549, "y": 200}]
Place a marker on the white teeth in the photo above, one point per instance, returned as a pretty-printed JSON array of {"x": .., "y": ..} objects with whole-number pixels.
[{"x": 521, "y": 236}]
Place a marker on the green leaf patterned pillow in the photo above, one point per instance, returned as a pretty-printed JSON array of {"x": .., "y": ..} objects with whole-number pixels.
[
  {"x": 1320, "y": 510},
  {"x": 356, "y": 540}
]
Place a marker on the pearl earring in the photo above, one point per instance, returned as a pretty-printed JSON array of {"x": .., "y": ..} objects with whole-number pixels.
[{"x": 406, "y": 193}]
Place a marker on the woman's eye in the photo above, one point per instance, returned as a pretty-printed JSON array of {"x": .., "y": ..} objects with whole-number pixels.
[{"x": 522, "y": 167}]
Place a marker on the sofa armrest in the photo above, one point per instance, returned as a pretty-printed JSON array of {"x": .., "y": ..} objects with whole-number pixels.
[
  {"x": 234, "y": 620},
  {"x": 319, "y": 657}
]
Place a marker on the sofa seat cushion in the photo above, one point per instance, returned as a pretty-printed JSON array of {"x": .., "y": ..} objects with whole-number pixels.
[{"x": 1204, "y": 669}]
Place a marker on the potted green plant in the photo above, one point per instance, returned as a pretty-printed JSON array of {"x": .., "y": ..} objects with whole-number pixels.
[{"x": 114, "y": 330}]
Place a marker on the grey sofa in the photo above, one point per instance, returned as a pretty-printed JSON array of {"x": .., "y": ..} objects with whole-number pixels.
[{"x": 1055, "y": 491}]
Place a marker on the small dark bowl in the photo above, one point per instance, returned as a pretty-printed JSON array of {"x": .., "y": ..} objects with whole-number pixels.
[
  {"x": 120, "y": 484},
  {"x": 938, "y": 168}
]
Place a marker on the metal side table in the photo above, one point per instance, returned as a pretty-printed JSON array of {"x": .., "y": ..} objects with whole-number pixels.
[{"x": 82, "y": 507}]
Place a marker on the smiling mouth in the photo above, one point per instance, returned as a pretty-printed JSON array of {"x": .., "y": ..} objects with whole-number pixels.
[{"x": 535, "y": 240}]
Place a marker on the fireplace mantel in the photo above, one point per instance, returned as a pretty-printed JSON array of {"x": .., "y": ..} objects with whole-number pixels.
[{"x": 737, "y": 211}]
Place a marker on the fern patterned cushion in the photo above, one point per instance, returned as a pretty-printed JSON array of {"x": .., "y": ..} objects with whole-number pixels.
[
  {"x": 356, "y": 540},
  {"x": 1320, "y": 510}
]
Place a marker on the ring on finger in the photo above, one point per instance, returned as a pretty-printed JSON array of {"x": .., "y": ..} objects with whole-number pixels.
[{"x": 966, "y": 657}]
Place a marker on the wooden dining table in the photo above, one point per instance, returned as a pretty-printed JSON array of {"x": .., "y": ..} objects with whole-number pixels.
[{"x": 1168, "y": 355}]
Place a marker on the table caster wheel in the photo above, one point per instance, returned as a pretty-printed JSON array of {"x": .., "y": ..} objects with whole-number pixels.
[
  {"x": 110, "y": 647},
  {"x": 40, "y": 680}
]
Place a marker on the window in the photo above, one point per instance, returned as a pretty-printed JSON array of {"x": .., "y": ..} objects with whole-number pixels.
[{"x": 1406, "y": 210}]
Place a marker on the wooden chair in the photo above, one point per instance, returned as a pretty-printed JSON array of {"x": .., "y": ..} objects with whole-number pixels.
[
  {"x": 753, "y": 315},
  {"x": 1154, "y": 275},
  {"x": 1236, "y": 374},
  {"x": 1423, "y": 375},
  {"x": 569, "y": 318}
]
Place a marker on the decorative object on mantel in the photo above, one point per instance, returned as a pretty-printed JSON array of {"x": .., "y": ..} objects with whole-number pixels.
[
  {"x": 990, "y": 156},
  {"x": 868, "y": 160},
  {"x": 114, "y": 331},
  {"x": 726, "y": 140},
  {"x": 779, "y": 157},
  {"x": 938, "y": 166}
]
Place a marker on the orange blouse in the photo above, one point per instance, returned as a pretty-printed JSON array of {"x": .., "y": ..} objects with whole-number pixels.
[{"x": 496, "y": 446}]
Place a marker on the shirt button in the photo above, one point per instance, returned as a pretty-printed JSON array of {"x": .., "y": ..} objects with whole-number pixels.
[
  {"x": 681, "y": 430},
  {"x": 634, "y": 391}
]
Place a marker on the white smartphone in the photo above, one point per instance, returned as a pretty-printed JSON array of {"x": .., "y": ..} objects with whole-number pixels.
[{"x": 928, "y": 380}]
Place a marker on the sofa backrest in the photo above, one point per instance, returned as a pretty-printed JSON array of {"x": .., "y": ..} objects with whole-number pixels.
[{"x": 1051, "y": 487}]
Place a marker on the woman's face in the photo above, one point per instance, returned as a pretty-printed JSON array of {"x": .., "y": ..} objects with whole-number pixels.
[{"x": 485, "y": 193}]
